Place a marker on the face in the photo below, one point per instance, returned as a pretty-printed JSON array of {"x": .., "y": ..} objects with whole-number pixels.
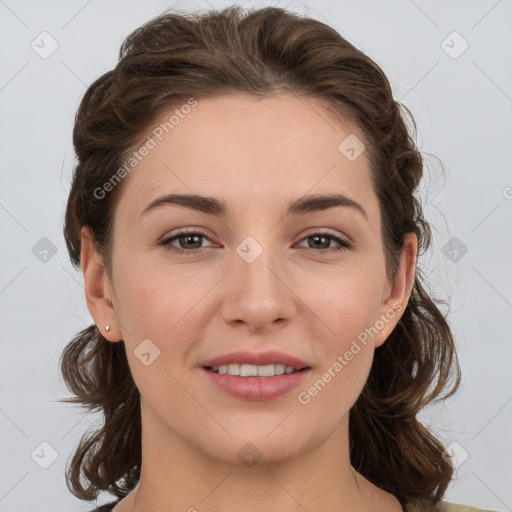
[{"x": 188, "y": 286}]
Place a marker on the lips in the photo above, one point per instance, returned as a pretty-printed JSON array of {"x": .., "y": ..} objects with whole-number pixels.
[
  {"x": 260, "y": 388},
  {"x": 257, "y": 359}
]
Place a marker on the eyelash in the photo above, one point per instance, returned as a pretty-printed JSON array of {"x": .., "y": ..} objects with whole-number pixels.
[{"x": 344, "y": 245}]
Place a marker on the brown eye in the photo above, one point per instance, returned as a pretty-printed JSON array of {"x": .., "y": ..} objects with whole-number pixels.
[
  {"x": 189, "y": 241},
  {"x": 321, "y": 240}
]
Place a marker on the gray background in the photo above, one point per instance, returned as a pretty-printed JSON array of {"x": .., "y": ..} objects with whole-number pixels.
[{"x": 462, "y": 105}]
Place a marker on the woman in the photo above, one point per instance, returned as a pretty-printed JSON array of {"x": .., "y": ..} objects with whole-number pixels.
[{"x": 280, "y": 360}]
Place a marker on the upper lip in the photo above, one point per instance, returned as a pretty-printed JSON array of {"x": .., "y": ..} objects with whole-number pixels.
[{"x": 255, "y": 358}]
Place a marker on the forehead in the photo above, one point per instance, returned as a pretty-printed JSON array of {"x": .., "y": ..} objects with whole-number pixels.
[{"x": 248, "y": 151}]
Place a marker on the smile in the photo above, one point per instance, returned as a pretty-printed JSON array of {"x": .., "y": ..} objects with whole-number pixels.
[{"x": 251, "y": 370}]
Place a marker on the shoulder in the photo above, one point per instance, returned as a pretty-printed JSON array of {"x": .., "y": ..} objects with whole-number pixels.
[
  {"x": 106, "y": 508},
  {"x": 445, "y": 506}
]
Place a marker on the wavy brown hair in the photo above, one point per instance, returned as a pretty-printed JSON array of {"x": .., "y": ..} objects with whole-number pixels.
[{"x": 161, "y": 65}]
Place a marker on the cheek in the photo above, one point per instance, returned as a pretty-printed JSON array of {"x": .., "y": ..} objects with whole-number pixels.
[
  {"x": 151, "y": 299},
  {"x": 167, "y": 308},
  {"x": 335, "y": 388},
  {"x": 347, "y": 305},
  {"x": 346, "y": 300}
]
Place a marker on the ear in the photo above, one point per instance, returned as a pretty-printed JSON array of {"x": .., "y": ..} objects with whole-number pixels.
[
  {"x": 98, "y": 288},
  {"x": 398, "y": 292}
]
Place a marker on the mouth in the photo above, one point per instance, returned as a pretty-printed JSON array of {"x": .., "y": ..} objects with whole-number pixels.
[
  {"x": 256, "y": 382},
  {"x": 251, "y": 370},
  {"x": 260, "y": 376}
]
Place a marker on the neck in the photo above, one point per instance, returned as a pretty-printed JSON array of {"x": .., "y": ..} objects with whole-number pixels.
[{"x": 175, "y": 476}]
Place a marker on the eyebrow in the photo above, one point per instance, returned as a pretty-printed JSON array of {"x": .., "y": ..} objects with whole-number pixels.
[{"x": 217, "y": 207}]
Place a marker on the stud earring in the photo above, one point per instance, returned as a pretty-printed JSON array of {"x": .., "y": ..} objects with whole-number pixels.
[{"x": 107, "y": 328}]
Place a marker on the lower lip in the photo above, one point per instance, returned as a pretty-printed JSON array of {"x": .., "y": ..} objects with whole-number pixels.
[{"x": 257, "y": 388}]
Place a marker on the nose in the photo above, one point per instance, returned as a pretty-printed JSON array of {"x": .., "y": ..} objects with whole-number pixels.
[{"x": 259, "y": 293}]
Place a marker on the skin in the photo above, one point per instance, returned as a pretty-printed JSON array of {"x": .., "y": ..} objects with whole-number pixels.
[{"x": 256, "y": 154}]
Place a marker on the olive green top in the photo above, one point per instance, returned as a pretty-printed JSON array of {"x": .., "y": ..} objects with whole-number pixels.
[{"x": 443, "y": 506}]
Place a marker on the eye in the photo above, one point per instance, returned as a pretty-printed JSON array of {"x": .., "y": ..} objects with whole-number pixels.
[
  {"x": 189, "y": 237},
  {"x": 185, "y": 237},
  {"x": 319, "y": 238}
]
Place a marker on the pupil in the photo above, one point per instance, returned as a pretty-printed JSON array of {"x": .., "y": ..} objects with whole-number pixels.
[
  {"x": 191, "y": 237},
  {"x": 320, "y": 237}
]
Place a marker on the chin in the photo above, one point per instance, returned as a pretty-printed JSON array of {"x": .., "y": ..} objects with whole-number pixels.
[{"x": 255, "y": 447}]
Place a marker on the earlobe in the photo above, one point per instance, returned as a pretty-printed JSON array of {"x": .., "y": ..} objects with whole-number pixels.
[
  {"x": 395, "y": 304},
  {"x": 98, "y": 289}
]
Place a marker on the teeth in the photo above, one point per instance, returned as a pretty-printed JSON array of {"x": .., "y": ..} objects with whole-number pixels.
[{"x": 251, "y": 370}]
